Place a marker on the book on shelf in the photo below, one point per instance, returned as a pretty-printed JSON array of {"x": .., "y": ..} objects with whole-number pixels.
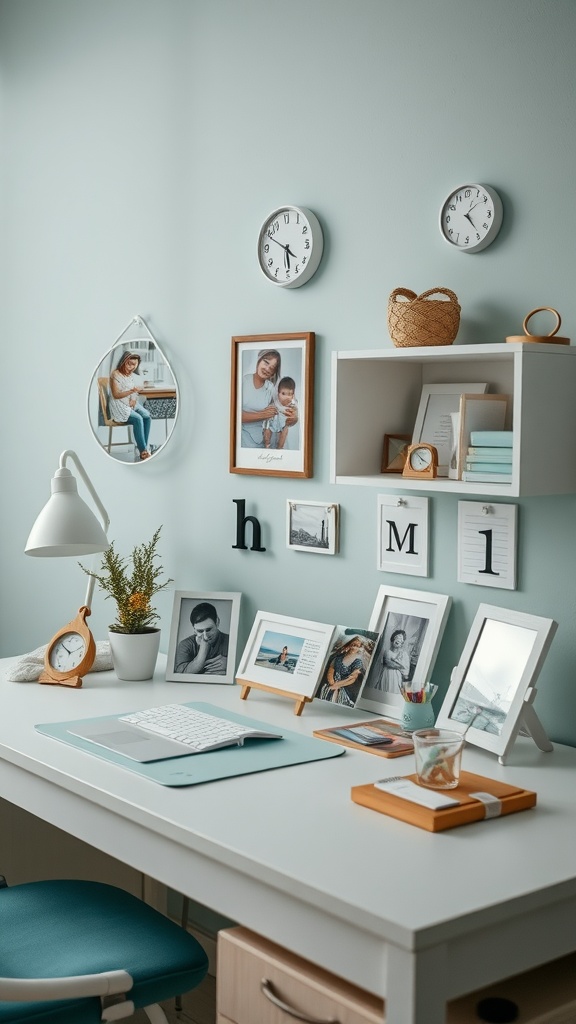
[
  {"x": 379, "y": 736},
  {"x": 468, "y": 809},
  {"x": 472, "y": 477},
  {"x": 489, "y": 455},
  {"x": 493, "y": 438},
  {"x": 481, "y": 417},
  {"x": 489, "y": 467}
]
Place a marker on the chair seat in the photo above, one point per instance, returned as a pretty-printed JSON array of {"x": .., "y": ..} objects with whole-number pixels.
[{"x": 60, "y": 928}]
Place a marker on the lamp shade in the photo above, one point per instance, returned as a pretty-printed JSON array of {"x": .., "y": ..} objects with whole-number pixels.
[{"x": 65, "y": 526}]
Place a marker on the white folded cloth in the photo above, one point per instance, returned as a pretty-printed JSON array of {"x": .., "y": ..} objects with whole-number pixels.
[{"x": 28, "y": 668}]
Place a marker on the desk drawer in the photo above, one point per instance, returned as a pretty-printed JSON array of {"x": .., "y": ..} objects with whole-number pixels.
[{"x": 245, "y": 960}]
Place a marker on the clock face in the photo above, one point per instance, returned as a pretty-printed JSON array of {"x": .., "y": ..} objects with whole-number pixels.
[
  {"x": 290, "y": 246},
  {"x": 420, "y": 459},
  {"x": 471, "y": 217},
  {"x": 67, "y": 652}
]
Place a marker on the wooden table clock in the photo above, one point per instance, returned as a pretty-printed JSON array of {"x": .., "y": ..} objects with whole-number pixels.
[
  {"x": 421, "y": 462},
  {"x": 70, "y": 653}
]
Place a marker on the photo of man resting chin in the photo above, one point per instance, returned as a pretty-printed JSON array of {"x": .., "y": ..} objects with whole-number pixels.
[{"x": 205, "y": 651}]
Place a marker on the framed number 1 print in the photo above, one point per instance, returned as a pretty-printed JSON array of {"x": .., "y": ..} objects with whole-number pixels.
[{"x": 272, "y": 400}]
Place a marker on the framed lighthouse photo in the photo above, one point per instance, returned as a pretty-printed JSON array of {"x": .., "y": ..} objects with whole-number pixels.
[{"x": 312, "y": 526}]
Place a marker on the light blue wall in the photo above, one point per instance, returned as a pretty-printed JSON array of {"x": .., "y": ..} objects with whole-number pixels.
[{"x": 144, "y": 142}]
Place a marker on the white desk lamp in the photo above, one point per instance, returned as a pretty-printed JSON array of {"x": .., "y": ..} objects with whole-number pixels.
[{"x": 65, "y": 527}]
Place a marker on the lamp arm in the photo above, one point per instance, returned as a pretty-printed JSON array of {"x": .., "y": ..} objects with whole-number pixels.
[{"x": 69, "y": 454}]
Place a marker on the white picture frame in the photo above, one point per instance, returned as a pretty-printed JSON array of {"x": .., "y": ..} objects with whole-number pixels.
[
  {"x": 502, "y": 645},
  {"x": 422, "y": 617},
  {"x": 433, "y": 423},
  {"x": 312, "y": 526},
  {"x": 403, "y": 534},
  {"x": 299, "y": 673},
  {"x": 188, "y": 604}
]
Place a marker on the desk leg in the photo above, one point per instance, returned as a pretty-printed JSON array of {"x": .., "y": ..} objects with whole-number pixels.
[{"x": 415, "y": 993}]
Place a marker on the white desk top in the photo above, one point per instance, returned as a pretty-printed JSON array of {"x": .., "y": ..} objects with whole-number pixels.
[{"x": 295, "y": 832}]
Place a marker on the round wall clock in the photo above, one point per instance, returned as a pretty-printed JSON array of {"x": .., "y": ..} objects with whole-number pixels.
[
  {"x": 70, "y": 653},
  {"x": 471, "y": 217},
  {"x": 290, "y": 246}
]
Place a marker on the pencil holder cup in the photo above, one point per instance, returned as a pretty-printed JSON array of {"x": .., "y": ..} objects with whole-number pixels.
[{"x": 417, "y": 716}]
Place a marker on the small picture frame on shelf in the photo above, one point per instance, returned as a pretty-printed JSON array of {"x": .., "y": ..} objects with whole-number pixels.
[
  {"x": 433, "y": 423},
  {"x": 272, "y": 401},
  {"x": 312, "y": 526},
  {"x": 492, "y": 687},
  {"x": 203, "y": 637},
  {"x": 411, "y": 624},
  {"x": 394, "y": 452}
]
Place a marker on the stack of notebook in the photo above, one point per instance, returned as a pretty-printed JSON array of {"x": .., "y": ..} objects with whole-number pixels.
[{"x": 489, "y": 457}]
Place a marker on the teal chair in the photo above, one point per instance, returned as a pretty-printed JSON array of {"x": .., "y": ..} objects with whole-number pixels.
[{"x": 75, "y": 952}]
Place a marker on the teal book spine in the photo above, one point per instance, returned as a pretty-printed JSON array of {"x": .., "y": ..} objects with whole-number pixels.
[
  {"x": 478, "y": 478},
  {"x": 489, "y": 467},
  {"x": 494, "y": 438},
  {"x": 489, "y": 455}
]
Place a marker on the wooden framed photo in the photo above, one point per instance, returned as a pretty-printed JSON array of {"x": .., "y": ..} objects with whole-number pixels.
[
  {"x": 411, "y": 624},
  {"x": 271, "y": 404},
  {"x": 312, "y": 526},
  {"x": 493, "y": 685},
  {"x": 203, "y": 637},
  {"x": 433, "y": 423},
  {"x": 394, "y": 452},
  {"x": 284, "y": 654}
]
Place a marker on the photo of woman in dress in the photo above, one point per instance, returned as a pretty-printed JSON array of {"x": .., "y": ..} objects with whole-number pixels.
[
  {"x": 346, "y": 668},
  {"x": 398, "y": 653}
]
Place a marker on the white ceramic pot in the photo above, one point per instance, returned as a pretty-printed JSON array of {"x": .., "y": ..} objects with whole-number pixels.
[{"x": 134, "y": 654}]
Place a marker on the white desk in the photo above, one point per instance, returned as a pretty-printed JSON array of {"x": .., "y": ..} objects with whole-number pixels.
[{"x": 416, "y": 917}]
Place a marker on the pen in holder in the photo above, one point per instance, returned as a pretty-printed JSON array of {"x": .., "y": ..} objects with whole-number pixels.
[{"x": 417, "y": 712}]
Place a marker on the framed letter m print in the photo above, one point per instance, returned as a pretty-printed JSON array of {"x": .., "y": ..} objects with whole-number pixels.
[{"x": 403, "y": 534}]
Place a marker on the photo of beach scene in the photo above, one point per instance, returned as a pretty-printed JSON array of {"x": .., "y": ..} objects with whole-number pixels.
[{"x": 279, "y": 651}]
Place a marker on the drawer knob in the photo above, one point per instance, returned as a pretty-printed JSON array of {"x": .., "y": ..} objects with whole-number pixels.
[{"x": 267, "y": 990}]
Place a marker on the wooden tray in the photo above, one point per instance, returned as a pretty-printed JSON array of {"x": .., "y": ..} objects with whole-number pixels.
[{"x": 512, "y": 799}]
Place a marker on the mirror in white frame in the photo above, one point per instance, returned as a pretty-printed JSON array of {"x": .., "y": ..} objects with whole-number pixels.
[
  {"x": 492, "y": 688},
  {"x": 133, "y": 400}
]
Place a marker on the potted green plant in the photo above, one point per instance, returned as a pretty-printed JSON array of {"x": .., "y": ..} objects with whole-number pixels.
[{"x": 134, "y": 636}]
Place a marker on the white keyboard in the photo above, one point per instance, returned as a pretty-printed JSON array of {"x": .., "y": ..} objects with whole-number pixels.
[{"x": 198, "y": 730}]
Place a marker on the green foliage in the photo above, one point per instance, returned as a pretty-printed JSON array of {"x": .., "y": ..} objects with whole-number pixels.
[{"x": 133, "y": 590}]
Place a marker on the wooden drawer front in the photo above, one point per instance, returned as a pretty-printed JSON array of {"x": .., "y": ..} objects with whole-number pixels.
[{"x": 245, "y": 960}]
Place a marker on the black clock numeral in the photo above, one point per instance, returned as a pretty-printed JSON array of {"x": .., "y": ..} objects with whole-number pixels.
[
  {"x": 447, "y": 218},
  {"x": 276, "y": 271},
  {"x": 452, "y": 207},
  {"x": 307, "y": 243},
  {"x": 270, "y": 262},
  {"x": 488, "y": 213},
  {"x": 304, "y": 258},
  {"x": 305, "y": 230},
  {"x": 468, "y": 193},
  {"x": 287, "y": 217},
  {"x": 477, "y": 236},
  {"x": 266, "y": 248},
  {"x": 467, "y": 240},
  {"x": 485, "y": 226},
  {"x": 297, "y": 268}
]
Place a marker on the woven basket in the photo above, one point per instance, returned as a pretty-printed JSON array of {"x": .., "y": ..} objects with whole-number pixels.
[{"x": 421, "y": 320}]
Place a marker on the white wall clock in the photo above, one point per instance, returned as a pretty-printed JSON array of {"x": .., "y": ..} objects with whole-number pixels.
[
  {"x": 290, "y": 246},
  {"x": 471, "y": 217}
]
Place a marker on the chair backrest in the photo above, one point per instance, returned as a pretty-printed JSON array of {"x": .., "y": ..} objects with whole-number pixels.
[{"x": 104, "y": 417}]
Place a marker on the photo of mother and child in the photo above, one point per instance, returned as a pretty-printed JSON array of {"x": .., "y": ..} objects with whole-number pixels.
[{"x": 269, "y": 404}]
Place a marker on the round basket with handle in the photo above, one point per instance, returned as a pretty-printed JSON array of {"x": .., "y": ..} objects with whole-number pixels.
[{"x": 421, "y": 320}]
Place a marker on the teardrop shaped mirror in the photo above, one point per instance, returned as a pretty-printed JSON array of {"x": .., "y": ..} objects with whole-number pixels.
[{"x": 133, "y": 398}]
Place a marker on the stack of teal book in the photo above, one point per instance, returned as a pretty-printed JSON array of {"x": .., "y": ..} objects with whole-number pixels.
[{"x": 489, "y": 457}]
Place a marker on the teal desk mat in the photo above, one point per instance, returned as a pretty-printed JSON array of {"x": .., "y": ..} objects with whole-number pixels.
[{"x": 254, "y": 756}]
